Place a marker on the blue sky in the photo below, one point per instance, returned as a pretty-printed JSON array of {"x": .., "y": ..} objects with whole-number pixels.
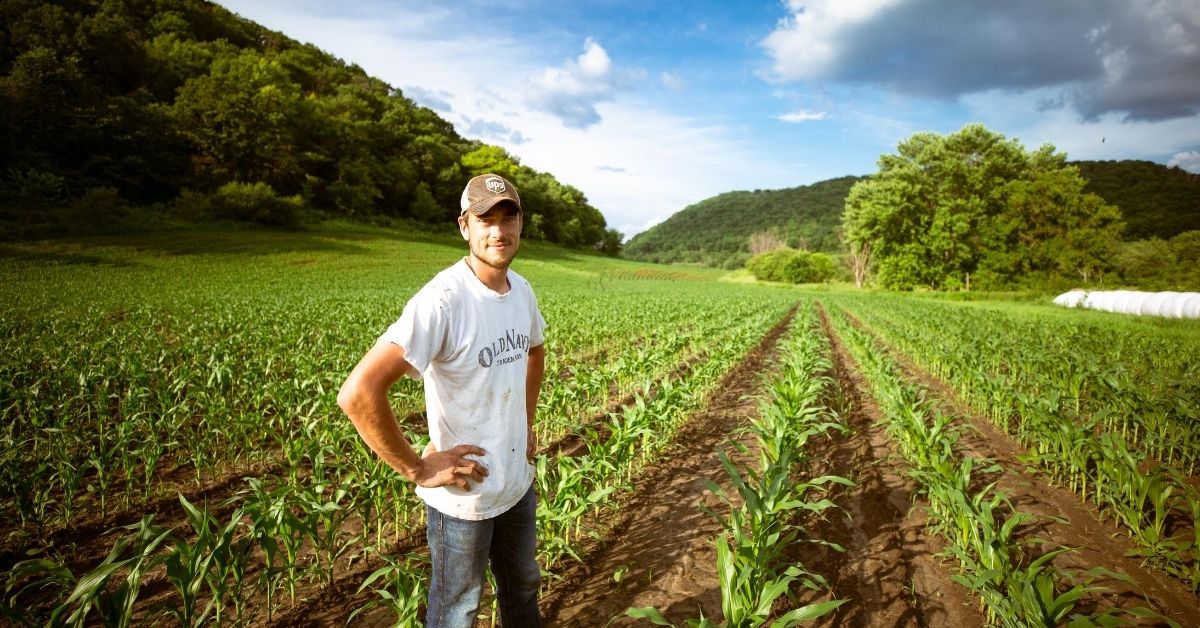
[{"x": 648, "y": 107}]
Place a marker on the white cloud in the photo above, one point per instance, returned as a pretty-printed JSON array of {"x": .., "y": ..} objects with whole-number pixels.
[
  {"x": 571, "y": 92},
  {"x": 435, "y": 100},
  {"x": 1188, "y": 160},
  {"x": 666, "y": 163},
  {"x": 802, "y": 115},
  {"x": 673, "y": 81},
  {"x": 805, "y": 44},
  {"x": 493, "y": 131}
]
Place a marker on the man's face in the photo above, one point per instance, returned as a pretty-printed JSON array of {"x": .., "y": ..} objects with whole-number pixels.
[{"x": 494, "y": 236}]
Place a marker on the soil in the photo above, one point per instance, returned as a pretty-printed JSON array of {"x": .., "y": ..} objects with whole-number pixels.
[
  {"x": 890, "y": 572},
  {"x": 661, "y": 541},
  {"x": 1064, "y": 520}
]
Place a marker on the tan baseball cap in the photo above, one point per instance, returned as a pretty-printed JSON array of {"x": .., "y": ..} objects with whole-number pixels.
[{"x": 484, "y": 191}]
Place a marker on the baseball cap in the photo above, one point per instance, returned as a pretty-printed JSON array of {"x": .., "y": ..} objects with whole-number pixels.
[{"x": 484, "y": 191}]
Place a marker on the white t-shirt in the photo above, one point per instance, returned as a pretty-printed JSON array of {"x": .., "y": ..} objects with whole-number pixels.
[{"x": 470, "y": 346}]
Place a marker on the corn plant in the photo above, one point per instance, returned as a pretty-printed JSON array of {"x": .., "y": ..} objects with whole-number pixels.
[
  {"x": 213, "y": 564},
  {"x": 404, "y": 588},
  {"x": 1101, "y": 427},
  {"x": 980, "y": 525},
  {"x": 31, "y": 579},
  {"x": 134, "y": 555},
  {"x": 752, "y": 570}
]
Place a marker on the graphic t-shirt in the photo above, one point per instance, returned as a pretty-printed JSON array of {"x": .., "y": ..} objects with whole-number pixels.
[{"x": 470, "y": 346}]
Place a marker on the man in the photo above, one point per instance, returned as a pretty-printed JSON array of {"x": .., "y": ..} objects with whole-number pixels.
[{"x": 474, "y": 334}]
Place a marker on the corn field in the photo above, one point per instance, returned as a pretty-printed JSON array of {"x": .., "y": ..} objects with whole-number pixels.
[{"x": 173, "y": 453}]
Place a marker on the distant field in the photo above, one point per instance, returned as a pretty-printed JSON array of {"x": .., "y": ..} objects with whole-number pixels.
[{"x": 182, "y": 385}]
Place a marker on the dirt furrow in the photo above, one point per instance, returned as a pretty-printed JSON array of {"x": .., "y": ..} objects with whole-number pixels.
[
  {"x": 1065, "y": 519},
  {"x": 889, "y": 572},
  {"x": 658, "y": 546}
]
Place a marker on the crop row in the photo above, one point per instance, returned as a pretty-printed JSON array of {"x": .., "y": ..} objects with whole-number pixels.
[
  {"x": 1022, "y": 388},
  {"x": 766, "y": 518},
  {"x": 1017, "y": 583}
]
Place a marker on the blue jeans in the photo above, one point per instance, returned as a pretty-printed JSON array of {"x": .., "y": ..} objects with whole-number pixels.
[{"x": 460, "y": 551}]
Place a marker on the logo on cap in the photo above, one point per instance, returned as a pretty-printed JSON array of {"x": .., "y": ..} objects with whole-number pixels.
[{"x": 495, "y": 184}]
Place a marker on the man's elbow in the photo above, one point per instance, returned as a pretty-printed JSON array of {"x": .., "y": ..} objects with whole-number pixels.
[{"x": 348, "y": 397}]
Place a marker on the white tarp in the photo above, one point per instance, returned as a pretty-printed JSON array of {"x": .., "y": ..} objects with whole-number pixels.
[{"x": 1168, "y": 304}]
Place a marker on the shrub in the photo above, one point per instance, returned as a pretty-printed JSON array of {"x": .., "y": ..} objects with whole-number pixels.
[
  {"x": 792, "y": 266},
  {"x": 255, "y": 202},
  {"x": 98, "y": 207}
]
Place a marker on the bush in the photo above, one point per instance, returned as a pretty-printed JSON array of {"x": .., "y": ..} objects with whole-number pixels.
[
  {"x": 792, "y": 266},
  {"x": 245, "y": 202},
  {"x": 98, "y": 207},
  {"x": 192, "y": 206},
  {"x": 257, "y": 203}
]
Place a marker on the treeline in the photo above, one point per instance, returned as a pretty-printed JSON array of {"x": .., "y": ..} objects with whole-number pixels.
[
  {"x": 182, "y": 106},
  {"x": 717, "y": 231}
]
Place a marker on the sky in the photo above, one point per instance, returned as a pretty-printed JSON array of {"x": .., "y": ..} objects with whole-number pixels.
[{"x": 648, "y": 107}]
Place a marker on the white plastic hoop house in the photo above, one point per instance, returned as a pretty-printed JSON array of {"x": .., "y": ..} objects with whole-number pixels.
[{"x": 1165, "y": 304}]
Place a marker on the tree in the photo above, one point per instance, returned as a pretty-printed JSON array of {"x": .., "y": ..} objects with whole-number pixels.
[
  {"x": 242, "y": 118},
  {"x": 946, "y": 208},
  {"x": 765, "y": 241}
]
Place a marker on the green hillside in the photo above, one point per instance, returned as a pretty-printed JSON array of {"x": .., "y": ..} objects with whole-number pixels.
[
  {"x": 716, "y": 231},
  {"x": 182, "y": 109},
  {"x": 1156, "y": 201}
]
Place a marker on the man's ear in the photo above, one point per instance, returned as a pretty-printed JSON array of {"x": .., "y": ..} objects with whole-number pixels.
[{"x": 462, "y": 225}]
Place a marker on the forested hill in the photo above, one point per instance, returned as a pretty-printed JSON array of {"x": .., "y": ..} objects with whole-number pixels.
[
  {"x": 1155, "y": 201},
  {"x": 716, "y": 231},
  {"x": 182, "y": 106}
]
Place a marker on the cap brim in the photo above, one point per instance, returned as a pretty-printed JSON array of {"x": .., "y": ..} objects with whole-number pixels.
[{"x": 482, "y": 207}]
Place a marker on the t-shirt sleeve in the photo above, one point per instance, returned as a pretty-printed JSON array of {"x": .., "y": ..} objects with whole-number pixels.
[
  {"x": 537, "y": 325},
  {"x": 421, "y": 329}
]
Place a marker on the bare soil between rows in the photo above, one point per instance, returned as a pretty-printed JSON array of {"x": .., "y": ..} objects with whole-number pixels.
[
  {"x": 659, "y": 549},
  {"x": 1064, "y": 520}
]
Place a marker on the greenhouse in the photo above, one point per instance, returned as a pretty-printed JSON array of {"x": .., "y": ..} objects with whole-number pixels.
[{"x": 1166, "y": 304}]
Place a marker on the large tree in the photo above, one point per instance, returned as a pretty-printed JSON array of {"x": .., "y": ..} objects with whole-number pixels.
[{"x": 974, "y": 206}]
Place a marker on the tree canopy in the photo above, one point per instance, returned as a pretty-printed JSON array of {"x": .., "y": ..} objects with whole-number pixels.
[
  {"x": 974, "y": 207},
  {"x": 152, "y": 99}
]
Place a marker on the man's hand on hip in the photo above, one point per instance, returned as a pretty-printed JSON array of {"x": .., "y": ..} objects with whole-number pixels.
[{"x": 443, "y": 468}]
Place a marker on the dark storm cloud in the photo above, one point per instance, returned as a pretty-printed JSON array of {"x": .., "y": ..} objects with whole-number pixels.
[{"x": 1137, "y": 57}]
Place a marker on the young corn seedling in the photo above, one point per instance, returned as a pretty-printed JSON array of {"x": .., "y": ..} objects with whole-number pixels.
[
  {"x": 404, "y": 589},
  {"x": 135, "y": 555}
]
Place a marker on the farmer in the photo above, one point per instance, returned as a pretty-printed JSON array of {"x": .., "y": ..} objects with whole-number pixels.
[{"x": 474, "y": 334}]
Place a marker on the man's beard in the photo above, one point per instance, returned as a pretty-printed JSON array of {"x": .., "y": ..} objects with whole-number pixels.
[{"x": 496, "y": 260}]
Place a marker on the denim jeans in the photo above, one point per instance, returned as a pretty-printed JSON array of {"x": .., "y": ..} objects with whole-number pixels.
[{"x": 460, "y": 551}]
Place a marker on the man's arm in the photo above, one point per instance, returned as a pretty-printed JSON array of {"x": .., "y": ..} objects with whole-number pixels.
[
  {"x": 363, "y": 397},
  {"x": 535, "y": 371}
]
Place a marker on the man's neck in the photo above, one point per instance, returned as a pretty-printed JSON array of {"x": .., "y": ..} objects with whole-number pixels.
[{"x": 496, "y": 279}]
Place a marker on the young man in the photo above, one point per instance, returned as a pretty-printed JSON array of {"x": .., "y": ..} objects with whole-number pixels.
[{"x": 474, "y": 334}]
